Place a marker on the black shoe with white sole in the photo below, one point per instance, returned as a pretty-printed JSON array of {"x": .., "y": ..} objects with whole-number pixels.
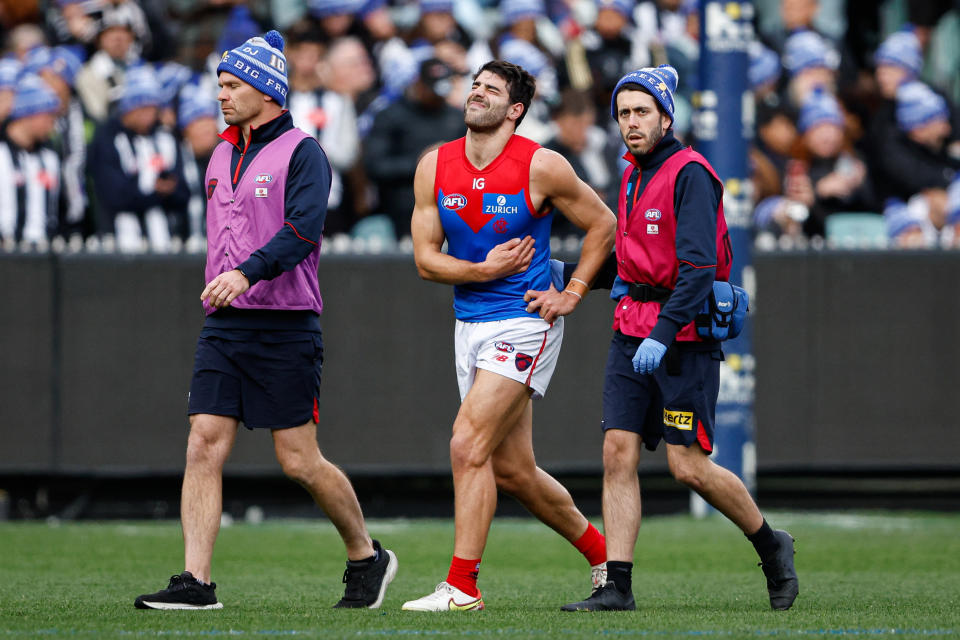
[
  {"x": 367, "y": 580},
  {"x": 183, "y": 592}
]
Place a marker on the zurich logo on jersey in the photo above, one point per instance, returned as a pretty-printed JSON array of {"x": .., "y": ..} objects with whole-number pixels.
[
  {"x": 504, "y": 203},
  {"x": 454, "y": 202},
  {"x": 652, "y": 214}
]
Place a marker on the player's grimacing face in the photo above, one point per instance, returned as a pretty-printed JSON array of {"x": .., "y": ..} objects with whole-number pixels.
[
  {"x": 641, "y": 124},
  {"x": 487, "y": 103}
]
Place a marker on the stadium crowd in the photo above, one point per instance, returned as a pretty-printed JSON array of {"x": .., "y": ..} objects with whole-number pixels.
[{"x": 109, "y": 108}]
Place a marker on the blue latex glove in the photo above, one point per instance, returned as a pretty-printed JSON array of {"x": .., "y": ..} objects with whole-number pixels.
[
  {"x": 648, "y": 356},
  {"x": 619, "y": 289},
  {"x": 556, "y": 274}
]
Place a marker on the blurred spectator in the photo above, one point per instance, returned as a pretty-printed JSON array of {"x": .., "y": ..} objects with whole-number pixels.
[
  {"x": 835, "y": 178},
  {"x": 923, "y": 154},
  {"x": 909, "y": 225},
  {"x": 775, "y": 139},
  {"x": 30, "y": 200},
  {"x": 58, "y": 67},
  {"x": 69, "y": 23},
  {"x": 335, "y": 17},
  {"x": 812, "y": 62},
  {"x": 659, "y": 22},
  {"x": 763, "y": 74},
  {"x": 420, "y": 120},
  {"x": 577, "y": 138},
  {"x": 327, "y": 115},
  {"x": 30, "y": 196},
  {"x": 780, "y": 217},
  {"x": 898, "y": 59},
  {"x": 137, "y": 172},
  {"x": 9, "y": 72},
  {"x": 379, "y": 35},
  {"x": 436, "y": 23},
  {"x": 117, "y": 12},
  {"x": 536, "y": 122},
  {"x": 23, "y": 39},
  {"x": 610, "y": 51},
  {"x": 346, "y": 69},
  {"x": 173, "y": 77},
  {"x": 100, "y": 82},
  {"x": 197, "y": 120}
]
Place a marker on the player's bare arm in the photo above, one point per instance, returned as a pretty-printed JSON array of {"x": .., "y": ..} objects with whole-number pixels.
[
  {"x": 552, "y": 178},
  {"x": 508, "y": 258}
]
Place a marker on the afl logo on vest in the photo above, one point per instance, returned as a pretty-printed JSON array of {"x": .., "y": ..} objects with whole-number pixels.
[
  {"x": 454, "y": 202},
  {"x": 263, "y": 178},
  {"x": 652, "y": 215}
]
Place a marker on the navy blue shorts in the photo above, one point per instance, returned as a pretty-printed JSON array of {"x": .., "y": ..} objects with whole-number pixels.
[
  {"x": 265, "y": 382},
  {"x": 679, "y": 409}
]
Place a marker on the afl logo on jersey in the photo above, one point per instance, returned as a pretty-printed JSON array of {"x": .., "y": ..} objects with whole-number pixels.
[
  {"x": 503, "y": 346},
  {"x": 454, "y": 202},
  {"x": 263, "y": 178},
  {"x": 652, "y": 215}
]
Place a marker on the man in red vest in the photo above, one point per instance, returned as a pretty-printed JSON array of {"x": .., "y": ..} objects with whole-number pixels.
[{"x": 662, "y": 378}]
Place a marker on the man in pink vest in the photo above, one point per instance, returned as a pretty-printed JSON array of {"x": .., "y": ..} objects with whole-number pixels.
[
  {"x": 662, "y": 379},
  {"x": 260, "y": 352}
]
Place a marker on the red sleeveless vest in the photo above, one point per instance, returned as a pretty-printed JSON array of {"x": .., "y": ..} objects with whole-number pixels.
[{"x": 646, "y": 244}]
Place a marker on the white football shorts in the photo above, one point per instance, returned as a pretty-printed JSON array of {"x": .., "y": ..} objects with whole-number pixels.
[{"x": 522, "y": 349}]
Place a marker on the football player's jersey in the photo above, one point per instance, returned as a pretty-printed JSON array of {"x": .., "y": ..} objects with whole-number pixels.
[{"x": 481, "y": 209}]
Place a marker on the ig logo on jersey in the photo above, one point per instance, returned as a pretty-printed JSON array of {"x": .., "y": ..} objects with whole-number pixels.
[{"x": 454, "y": 202}]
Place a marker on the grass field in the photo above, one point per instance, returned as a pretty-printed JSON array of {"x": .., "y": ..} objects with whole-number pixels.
[{"x": 872, "y": 574}]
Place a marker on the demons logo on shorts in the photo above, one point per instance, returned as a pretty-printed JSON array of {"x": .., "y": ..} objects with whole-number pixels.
[
  {"x": 210, "y": 187},
  {"x": 523, "y": 361}
]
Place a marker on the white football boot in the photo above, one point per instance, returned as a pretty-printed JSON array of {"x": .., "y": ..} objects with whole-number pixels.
[{"x": 445, "y": 598}]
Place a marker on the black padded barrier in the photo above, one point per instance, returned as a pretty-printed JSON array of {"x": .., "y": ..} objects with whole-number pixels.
[{"x": 856, "y": 354}]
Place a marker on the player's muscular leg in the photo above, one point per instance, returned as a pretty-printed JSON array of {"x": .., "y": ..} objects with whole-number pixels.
[
  {"x": 517, "y": 474},
  {"x": 301, "y": 460},
  {"x": 491, "y": 409},
  {"x": 201, "y": 498},
  {"x": 718, "y": 486},
  {"x": 621, "y": 493}
]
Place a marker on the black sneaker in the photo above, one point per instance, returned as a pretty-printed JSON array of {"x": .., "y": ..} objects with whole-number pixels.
[
  {"x": 781, "y": 576},
  {"x": 605, "y": 598},
  {"x": 183, "y": 592},
  {"x": 367, "y": 580}
]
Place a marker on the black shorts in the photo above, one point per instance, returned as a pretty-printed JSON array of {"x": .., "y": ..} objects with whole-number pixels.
[
  {"x": 679, "y": 409},
  {"x": 265, "y": 381}
]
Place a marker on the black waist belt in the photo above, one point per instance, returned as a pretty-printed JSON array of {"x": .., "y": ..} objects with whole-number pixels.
[{"x": 648, "y": 293}]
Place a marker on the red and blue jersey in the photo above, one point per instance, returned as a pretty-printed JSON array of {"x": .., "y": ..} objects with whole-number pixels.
[{"x": 480, "y": 209}]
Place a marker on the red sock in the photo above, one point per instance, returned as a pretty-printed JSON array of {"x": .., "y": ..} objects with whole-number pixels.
[
  {"x": 463, "y": 575},
  {"x": 592, "y": 545}
]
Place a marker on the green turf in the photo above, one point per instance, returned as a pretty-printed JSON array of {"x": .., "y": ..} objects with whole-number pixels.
[{"x": 862, "y": 574}]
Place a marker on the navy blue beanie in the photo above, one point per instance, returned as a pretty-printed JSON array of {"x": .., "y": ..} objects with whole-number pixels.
[{"x": 661, "y": 82}]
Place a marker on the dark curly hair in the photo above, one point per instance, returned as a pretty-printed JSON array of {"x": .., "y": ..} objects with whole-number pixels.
[{"x": 520, "y": 84}]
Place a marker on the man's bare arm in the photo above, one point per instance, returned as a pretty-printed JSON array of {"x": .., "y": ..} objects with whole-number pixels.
[{"x": 433, "y": 264}]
